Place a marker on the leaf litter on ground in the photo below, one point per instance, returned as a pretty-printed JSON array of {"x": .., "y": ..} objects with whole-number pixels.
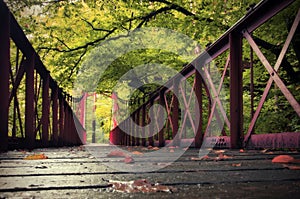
[
  {"x": 287, "y": 161},
  {"x": 140, "y": 185},
  {"x": 117, "y": 153},
  {"x": 220, "y": 157},
  {"x": 36, "y": 157}
]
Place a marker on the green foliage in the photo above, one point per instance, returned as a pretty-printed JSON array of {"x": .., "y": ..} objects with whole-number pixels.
[{"x": 67, "y": 34}]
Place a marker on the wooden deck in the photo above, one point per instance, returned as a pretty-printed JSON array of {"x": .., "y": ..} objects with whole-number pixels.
[{"x": 78, "y": 172}]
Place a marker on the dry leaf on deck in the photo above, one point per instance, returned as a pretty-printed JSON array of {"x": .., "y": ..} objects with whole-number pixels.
[
  {"x": 128, "y": 160},
  {"x": 116, "y": 153},
  {"x": 222, "y": 157},
  {"x": 291, "y": 167},
  {"x": 219, "y": 151},
  {"x": 154, "y": 148},
  {"x": 141, "y": 185},
  {"x": 36, "y": 157},
  {"x": 206, "y": 157},
  {"x": 283, "y": 159},
  {"x": 137, "y": 153},
  {"x": 236, "y": 165}
]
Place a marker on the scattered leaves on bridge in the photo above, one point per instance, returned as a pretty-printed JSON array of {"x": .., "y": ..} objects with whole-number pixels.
[
  {"x": 36, "y": 157},
  {"x": 236, "y": 164},
  {"x": 117, "y": 153},
  {"x": 287, "y": 161},
  {"x": 141, "y": 185},
  {"x": 283, "y": 159},
  {"x": 291, "y": 167},
  {"x": 137, "y": 153},
  {"x": 128, "y": 160},
  {"x": 220, "y": 157}
]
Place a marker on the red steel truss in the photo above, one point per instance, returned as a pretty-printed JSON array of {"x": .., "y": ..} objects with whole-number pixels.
[
  {"x": 231, "y": 40},
  {"x": 51, "y": 124}
]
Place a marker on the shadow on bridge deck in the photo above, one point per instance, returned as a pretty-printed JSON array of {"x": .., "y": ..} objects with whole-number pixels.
[{"x": 74, "y": 172}]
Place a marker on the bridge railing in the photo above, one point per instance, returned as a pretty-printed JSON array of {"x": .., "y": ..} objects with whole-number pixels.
[
  {"x": 207, "y": 95},
  {"x": 34, "y": 110}
]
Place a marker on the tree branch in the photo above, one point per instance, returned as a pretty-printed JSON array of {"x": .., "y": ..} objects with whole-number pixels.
[
  {"x": 182, "y": 10},
  {"x": 92, "y": 26},
  {"x": 77, "y": 63},
  {"x": 91, "y": 43}
]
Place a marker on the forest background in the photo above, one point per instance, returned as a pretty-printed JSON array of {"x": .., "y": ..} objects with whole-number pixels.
[{"x": 65, "y": 33}]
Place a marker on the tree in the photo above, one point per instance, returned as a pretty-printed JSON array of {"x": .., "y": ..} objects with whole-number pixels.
[{"x": 66, "y": 33}]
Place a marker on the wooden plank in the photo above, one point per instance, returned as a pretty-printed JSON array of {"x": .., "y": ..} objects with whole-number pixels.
[{"x": 75, "y": 171}]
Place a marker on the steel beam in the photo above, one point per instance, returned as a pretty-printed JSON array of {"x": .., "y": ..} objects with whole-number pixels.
[
  {"x": 143, "y": 123},
  {"x": 236, "y": 90},
  {"x": 61, "y": 121},
  {"x": 137, "y": 122},
  {"x": 175, "y": 114},
  {"x": 4, "y": 80},
  {"x": 29, "y": 103},
  {"x": 45, "y": 112},
  {"x": 161, "y": 139},
  {"x": 55, "y": 116},
  {"x": 151, "y": 125},
  {"x": 198, "y": 110}
]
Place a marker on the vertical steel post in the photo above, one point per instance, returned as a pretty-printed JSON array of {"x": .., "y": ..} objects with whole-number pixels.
[
  {"x": 143, "y": 122},
  {"x": 175, "y": 113},
  {"x": 61, "y": 121},
  {"x": 251, "y": 85},
  {"x": 45, "y": 111},
  {"x": 29, "y": 103},
  {"x": 94, "y": 119},
  {"x": 151, "y": 125},
  {"x": 126, "y": 132},
  {"x": 55, "y": 116},
  {"x": 132, "y": 130},
  {"x": 161, "y": 139},
  {"x": 4, "y": 80},
  {"x": 236, "y": 90},
  {"x": 137, "y": 122},
  {"x": 198, "y": 108},
  {"x": 67, "y": 137}
]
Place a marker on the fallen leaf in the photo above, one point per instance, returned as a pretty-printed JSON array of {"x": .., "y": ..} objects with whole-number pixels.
[
  {"x": 206, "y": 157},
  {"x": 161, "y": 163},
  {"x": 222, "y": 157},
  {"x": 236, "y": 165},
  {"x": 267, "y": 151},
  {"x": 116, "y": 153},
  {"x": 242, "y": 150},
  {"x": 36, "y": 157},
  {"x": 283, "y": 159},
  {"x": 128, "y": 160},
  {"x": 219, "y": 151},
  {"x": 141, "y": 185},
  {"x": 291, "y": 167},
  {"x": 264, "y": 151},
  {"x": 155, "y": 148},
  {"x": 137, "y": 153},
  {"x": 172, "y": 151}
]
